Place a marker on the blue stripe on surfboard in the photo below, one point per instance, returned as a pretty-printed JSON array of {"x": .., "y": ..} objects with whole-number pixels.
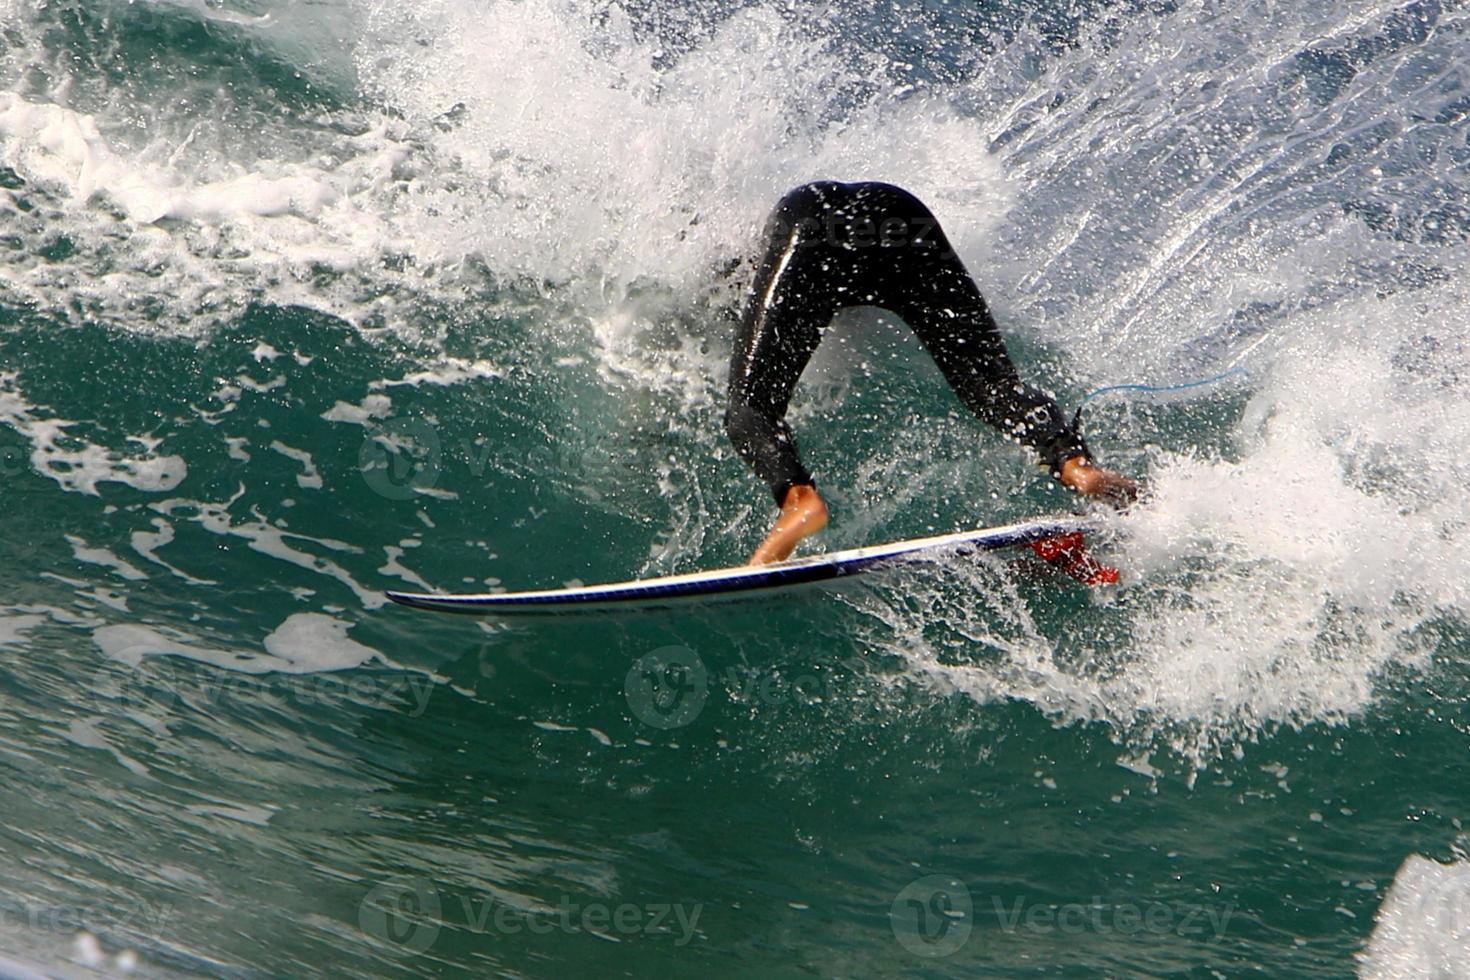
[{"x": 733, "y": 582}]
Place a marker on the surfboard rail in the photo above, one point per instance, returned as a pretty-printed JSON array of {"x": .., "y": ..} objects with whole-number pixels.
[{"x": 740, "y": 581}]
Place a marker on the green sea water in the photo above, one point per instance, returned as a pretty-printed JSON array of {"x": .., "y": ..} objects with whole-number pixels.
[{"x": 303, "y": 302}]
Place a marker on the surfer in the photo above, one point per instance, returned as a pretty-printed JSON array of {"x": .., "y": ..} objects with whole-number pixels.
[{"x": 830, "y": 246}]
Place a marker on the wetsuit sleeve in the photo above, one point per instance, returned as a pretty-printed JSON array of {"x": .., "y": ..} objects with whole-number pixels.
[{"x": 1033, "y": 419}]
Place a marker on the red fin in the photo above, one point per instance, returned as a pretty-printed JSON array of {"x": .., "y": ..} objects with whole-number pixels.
[{"x": 1068, "y": 552}]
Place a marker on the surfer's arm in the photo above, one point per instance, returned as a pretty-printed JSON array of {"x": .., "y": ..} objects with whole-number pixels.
[{"x": 1032, "y": 418}]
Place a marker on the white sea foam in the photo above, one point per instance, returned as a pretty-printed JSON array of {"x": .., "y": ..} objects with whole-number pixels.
[
  {"x": 446, "y": 371},
  {"x": 63, "y": 149},
  {"x": 308, "y": 478},
  {"x": 1320, "y": 537},
  {"x": 89, "y": 736},
  {"x": 147, "y": 543},
  {"x": 15, "y": 629},
  {"x": 181, "y": 247},
  {"x": 102, "y": 556},
  {"x": 77, "y": 464},
  {"x": 273, "y": 541},
  {"x": 371, "y": 407},
  {"x": 310, "y": 642},
  {"x": 673, "y": 169},
  {"x": 90, "y": 593},
  {"x": 397, "y": 569},
  {"x": 1423, "y": 926}
]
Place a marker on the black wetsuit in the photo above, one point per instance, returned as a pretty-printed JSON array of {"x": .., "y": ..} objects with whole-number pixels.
[{"x": 831, "y": 246}]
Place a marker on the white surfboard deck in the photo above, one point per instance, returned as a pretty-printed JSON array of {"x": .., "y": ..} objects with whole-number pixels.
[{"x": 744, "y": 582}]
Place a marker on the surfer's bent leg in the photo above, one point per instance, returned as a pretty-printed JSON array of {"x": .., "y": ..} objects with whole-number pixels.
[
  {"x": 916, "y": 274},
  {"x": 794, "y": 296}
]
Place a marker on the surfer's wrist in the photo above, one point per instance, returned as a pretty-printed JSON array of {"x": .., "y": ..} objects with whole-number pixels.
[
  {"x": 1078, "y": 473},
  {"x": 1087, "y": 478}
]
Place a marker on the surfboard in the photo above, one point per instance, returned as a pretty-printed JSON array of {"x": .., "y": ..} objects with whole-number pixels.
[{"x": 745, "y": 582}]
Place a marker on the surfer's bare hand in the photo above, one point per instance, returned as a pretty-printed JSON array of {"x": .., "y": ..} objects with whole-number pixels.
[
  {"x": 803, "y": 512},
  {"x": 1094, "y": 481}
]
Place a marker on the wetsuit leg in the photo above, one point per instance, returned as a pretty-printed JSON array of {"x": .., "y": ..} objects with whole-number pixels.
[
  {"x": 916, "y": 274},
  {"x": 794, "y": 296}
]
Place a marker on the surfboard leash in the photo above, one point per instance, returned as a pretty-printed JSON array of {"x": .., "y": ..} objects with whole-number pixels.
[{"x": 1151, "y": 390}]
